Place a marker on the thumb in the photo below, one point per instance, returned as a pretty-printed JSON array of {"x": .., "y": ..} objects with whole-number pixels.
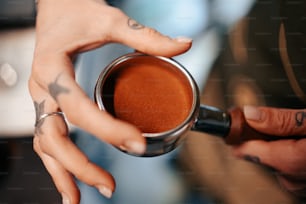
[
  {"x": 276, "y": 121},
  {"x": 148, "y": 40}
]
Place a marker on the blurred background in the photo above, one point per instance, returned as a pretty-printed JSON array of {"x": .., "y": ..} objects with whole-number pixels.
[{"x": 159, "y": 180}]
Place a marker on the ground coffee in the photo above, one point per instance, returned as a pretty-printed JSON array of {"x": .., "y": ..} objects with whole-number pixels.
[{"x": 151, "y": 94}]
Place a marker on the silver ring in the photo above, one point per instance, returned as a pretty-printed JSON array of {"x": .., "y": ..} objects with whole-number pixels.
[{"x": 45, "y": 115}]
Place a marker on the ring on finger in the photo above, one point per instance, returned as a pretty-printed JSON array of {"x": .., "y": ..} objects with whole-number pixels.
[{"x": 45, "y": 115}]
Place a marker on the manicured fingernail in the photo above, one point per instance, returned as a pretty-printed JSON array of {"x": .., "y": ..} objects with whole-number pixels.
[
  {"x": 252, "y": 113},
  {"x": 183, "y": 39},
  {"x": 105, "y": 191},
  {"x": 65, "y": 199},
  {"x": 133, "y": 147}
]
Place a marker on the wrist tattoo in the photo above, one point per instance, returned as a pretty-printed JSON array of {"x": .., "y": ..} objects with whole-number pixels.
[
  {"x": 39, "y": 110},
  {"x": 299, "y": 118},
  {"x": 55, "y": 89},
  {"x": 134, "y": 24}
]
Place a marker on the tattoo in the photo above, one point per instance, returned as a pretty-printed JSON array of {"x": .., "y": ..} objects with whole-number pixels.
[
  {"x": 251, "y": 158},
  {"x": 134, "y": 24},
  {"x": 39, "y": 110},
  {"x": 55, "y": 89},
  {"x": 299, "y": 118}
]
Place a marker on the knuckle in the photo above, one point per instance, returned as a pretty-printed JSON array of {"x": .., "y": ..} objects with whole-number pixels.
[
  {"x": 36, "y": 79},
  {"x": 115, "y": 16},
  {"x": 33, "y": 84},
  {"x": 48, "y": 142},
  {"x": 285, "y": 123},
  {"x": 44, "y": 144},
  {"x": 151, "y": 32},
  {"x": 36, "y": 145}
]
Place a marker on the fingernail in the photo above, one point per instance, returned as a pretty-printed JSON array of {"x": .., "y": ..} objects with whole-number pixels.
[
  {"x": 133, "y": 147},
  {"x": 65, "y": 199},
  {"x": 252, "y": 113},
  {"x": 105, "y": 191},
  {"x": 183, "y": 39}
]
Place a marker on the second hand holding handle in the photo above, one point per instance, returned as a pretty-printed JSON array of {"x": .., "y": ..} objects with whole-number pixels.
[
  {"x": 231, "y": 126},
  {"x": 240, "y": 131}
]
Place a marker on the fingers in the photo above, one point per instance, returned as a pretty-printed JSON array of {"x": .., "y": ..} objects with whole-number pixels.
[
  {"x": 59, "y": 154},
  {"x": 110, "y": 25},
  {"x": 63, "y": 180},
  {"x": 284, "y": 155},
  {"x": 83, "y": 112},
  {"x": 296, "y": 186},
  {"x": 52, "y": 87},
  {"x": 62, "y": 158},
  {"x": 144, "y": 39},
  {"x": 276, "y": 121},
  {"x": 287, "y": 156}
]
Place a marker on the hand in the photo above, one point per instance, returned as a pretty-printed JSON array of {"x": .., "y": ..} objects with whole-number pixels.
[
  {"x": 286, "y": 156},
  {"x": 64, "y": 28}
]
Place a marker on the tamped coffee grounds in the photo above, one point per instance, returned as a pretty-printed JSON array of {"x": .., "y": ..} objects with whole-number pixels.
[{"x": 153, "y": 95}]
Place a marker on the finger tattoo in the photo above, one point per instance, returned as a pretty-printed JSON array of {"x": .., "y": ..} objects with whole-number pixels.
[
  {"x": 134, "y": 24},
  {"x": 252, "y": 158},
  {"x": 56, "y": 89},
  {"x": 300, "y": 117}
]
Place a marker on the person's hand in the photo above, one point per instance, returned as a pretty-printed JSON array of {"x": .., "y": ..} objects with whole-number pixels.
[
  {"x": 65, "y": 28},
  {"x": 286, "y": 156}
]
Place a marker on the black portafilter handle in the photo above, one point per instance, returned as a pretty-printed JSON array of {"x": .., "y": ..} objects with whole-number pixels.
[
  {"x": 230, "y": 125},
  {"x": 213, "y": 121}
]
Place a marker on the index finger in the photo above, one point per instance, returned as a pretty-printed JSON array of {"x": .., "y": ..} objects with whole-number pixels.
[{"x": 276, "y": 121}]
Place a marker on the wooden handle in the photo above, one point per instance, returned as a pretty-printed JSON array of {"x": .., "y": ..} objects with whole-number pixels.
[{"x": 240, "y": 131}]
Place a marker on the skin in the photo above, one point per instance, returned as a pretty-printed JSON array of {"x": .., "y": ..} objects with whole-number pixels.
[
  {"x": 65, "y": 28},
  {"x": 286, "y": 157}
]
